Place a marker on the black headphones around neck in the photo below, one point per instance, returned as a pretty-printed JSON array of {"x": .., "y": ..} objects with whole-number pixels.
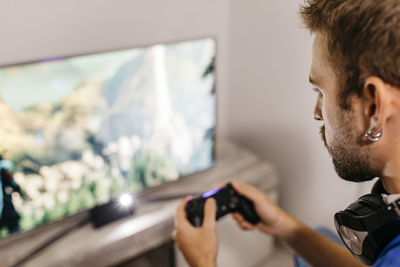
[{"x": 368, "y": 225}]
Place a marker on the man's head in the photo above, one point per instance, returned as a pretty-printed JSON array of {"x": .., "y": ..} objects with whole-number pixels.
[{"x": 356, "y": 72}]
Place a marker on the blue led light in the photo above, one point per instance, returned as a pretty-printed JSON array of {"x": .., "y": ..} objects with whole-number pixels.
[{"x": 210, "y": 193}]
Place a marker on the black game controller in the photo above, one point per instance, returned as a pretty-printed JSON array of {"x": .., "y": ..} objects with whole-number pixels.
[{"x": 228, "y": 200}]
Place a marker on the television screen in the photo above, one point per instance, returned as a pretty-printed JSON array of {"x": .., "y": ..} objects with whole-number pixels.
[{"x": 77, "y": 132}]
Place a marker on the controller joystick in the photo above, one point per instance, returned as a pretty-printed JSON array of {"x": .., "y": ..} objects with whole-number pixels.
[{"x": 228, "y": 201}]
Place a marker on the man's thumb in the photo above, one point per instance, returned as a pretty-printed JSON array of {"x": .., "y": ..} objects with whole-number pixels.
[{"x": 210, "y": 212}]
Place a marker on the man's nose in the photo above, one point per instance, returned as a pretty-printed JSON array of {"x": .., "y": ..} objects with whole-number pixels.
[
  {"x": 317, "y": 117},
  {"x": 317, "y": 112}
]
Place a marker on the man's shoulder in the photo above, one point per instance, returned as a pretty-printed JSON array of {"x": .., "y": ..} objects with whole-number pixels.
[{"x": 390, "y": 256}]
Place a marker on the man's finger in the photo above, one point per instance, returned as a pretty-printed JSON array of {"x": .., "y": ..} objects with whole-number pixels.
[
  {"x": 210, "y": 212},
  {"x": 245, "y": 225},
  {"x": 241, "y": 226},
  {"x": 248, "y": 191},
  {"x": 174, "y": 233},
  {"x": 238, "y": 217}
]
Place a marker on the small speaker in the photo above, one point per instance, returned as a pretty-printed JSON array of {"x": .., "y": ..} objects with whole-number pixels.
[{"x": 110, "y": 212}]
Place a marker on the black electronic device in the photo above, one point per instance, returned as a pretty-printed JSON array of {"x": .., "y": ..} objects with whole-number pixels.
[
  {"x": 112, "y": 211},
  {"x": 368, "y": 225},
  {"x": 228, "y": 200}
]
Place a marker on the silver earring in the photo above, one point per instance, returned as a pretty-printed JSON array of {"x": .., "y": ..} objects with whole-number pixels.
[{"x": 371, "y": 136}]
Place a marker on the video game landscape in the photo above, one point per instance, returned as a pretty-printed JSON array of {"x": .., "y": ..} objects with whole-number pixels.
[{"x": 79, "y": 131}]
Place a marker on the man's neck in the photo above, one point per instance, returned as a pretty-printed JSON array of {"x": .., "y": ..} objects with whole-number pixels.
[
  {"x": 391, "y": 185},
  {"x": 391, "y": 177}
]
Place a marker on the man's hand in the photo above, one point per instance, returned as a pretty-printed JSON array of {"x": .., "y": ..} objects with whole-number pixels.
[
  {"x": 310, "y": 245},
  {"x": 274, "y": 221},
  {"x": 198, "y": 245}
]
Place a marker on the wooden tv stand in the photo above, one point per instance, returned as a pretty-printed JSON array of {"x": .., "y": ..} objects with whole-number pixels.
[{"x": 152, "y": 224}]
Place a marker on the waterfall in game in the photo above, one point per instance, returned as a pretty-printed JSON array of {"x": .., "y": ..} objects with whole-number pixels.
[
  {"x": 161, "y": 86},
  {"x": 171, "y": 133}
]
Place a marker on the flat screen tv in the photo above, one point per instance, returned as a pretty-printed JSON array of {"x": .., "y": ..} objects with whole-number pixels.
[{"x": 76, "y": 132}]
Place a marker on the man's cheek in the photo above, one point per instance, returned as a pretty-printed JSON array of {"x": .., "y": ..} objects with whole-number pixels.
[{"x": 330, "y": 135}]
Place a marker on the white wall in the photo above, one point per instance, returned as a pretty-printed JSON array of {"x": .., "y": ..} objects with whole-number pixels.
[
  {"x": 270, "y": 107},
  {"x": 41, "y": 29}
]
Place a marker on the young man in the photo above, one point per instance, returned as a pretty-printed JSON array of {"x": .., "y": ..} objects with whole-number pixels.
[{"x": 356, "y": 74}]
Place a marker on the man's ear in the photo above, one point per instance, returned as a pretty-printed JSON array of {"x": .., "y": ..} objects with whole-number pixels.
[{"x": 376, "y": 101}]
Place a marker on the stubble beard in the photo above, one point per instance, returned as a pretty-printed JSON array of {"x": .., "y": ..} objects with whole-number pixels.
[{"x": 350, "y": 161}]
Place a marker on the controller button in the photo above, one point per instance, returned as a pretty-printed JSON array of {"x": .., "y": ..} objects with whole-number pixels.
[{"x": 197, "y": 221}]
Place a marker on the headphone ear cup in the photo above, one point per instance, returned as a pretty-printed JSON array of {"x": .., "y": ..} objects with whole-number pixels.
[
  {"x": 374, "y": 201},
  {"x": 366, "y": 204},
  {"x": 368, "y": 223}
]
